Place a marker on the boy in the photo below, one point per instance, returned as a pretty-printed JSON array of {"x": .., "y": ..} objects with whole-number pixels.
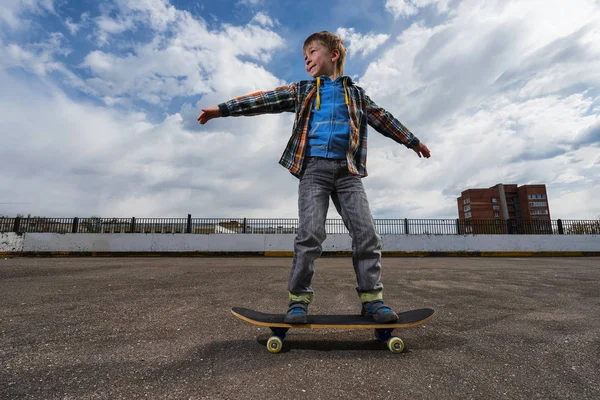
[{"x": 327, "y": 152}]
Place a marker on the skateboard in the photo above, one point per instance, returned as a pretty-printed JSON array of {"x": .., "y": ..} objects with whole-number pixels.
[{"x": 383, "y": 331}]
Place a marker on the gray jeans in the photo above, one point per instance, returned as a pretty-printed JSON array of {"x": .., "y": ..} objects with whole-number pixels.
[{"x": 321, "y": 179}]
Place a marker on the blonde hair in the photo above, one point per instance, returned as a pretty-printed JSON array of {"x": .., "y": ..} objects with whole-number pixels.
[{"x": 331, "y": 42}]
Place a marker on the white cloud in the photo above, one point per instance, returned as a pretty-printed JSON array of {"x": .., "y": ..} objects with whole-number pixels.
[
  {"x": 11, "y": 11},
  {"x": 497, "y": 93},
  {"x": 496, "y": 99},
  {"x": 483, "y": 50},
  {"x": 400, "y": 8},
  {"x": 74, "y": 27},
  {"x": 584, "y": 199},
  {"x": 263, "y": 19},
  {"x": 158, "y": 15},
  {"x": 250, "y": 3},
  {"x": 89, "y": 159},
  {"x": 69, "y": 158},
  {"x": 184, "y": 61},
  {"x": 38, "y": 58},
  {"x": 359, "y": 43},
  {"x": 407, "y": 8},
  {"x": 107, "y": 27}
]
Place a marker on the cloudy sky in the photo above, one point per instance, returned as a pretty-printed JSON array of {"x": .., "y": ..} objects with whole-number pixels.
[{"x": 99, "y": 100}]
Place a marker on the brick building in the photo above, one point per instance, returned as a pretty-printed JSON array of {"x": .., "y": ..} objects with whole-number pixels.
[{"x": 526, "y": 206}]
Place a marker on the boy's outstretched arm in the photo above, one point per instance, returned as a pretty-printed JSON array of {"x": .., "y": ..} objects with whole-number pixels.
[
  {"x": 270, "y": 102},
  {"x": 206, "y": 114},
  {"x": 385, "y": 123}
]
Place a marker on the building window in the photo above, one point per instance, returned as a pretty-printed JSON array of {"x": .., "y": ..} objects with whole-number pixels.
[
  {"x": 466, "y": 201},
  {"x": 468, "y": 214},
  {"x": 467, "y": 208},
  {"x": 494, "y": 200},
  {"x": 538, "y": 204},
  {"x": 496, "y": 207},
  {"x": 497, "y": 214},
  {"x": 539, "y": 212},
  {"x": 536, "y": 196}
]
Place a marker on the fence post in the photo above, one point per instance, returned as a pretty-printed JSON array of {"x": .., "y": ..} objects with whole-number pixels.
[
  {"x": 132, "y": 228},
  {"x": 509, "y": 227},
  {"x": 188, "y": 229},
  {"x": 406, "y": 226},
  {"x": 561, "y": 230},
  {"x": 458, "y": 226},
  {"x": 75, "y": 225},
  {"x": 17, "y": 225}
]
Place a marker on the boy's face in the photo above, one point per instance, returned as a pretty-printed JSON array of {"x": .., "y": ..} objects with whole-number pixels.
[{"x": 319, "y": 60}]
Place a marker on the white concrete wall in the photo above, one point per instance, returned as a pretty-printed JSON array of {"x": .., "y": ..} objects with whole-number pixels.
[
  {"x": 11, "y": 243},
  {"x": 140, "y": 242},
  {"x": 127, "y": 242},
  {"x": 491, "y": 243}
]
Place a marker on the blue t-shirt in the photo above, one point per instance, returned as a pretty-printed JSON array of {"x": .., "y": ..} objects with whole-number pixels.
[{"x": 330, "y": 125}]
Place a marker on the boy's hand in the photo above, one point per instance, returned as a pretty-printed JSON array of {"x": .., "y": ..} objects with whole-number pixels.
[
  {"x": 421, "y": 149},
  {"x": 208, "y": 113}
]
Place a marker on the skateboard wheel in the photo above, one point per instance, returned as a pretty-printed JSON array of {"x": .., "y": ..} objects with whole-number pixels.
[
  {"x": 396, "y": 345},
  {"x": 274, "y": 344}
]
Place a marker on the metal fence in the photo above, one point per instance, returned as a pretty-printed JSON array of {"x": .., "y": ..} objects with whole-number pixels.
[{"x": 191, "y": 225}]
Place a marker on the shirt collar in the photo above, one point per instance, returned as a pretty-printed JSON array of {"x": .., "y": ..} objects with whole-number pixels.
[{"x": 326, "y": 80}]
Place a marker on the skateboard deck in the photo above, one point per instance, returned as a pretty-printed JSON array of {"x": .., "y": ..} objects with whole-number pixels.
[{"x": 383, "y": 331}]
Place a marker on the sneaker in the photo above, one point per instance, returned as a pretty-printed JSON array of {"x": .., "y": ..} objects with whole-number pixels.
[
  {"x": 379, "y": 311},
  {"x": 296, "y": 313}
]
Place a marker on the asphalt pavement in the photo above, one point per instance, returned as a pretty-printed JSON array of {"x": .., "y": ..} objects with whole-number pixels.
[{"x": 161, "y": 328}]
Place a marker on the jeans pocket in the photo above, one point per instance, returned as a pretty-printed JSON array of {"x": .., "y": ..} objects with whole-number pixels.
[{"x": 309, "y": 163}]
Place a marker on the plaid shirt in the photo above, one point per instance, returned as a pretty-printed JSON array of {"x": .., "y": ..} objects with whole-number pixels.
[{"x": 298, "y": 98}]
